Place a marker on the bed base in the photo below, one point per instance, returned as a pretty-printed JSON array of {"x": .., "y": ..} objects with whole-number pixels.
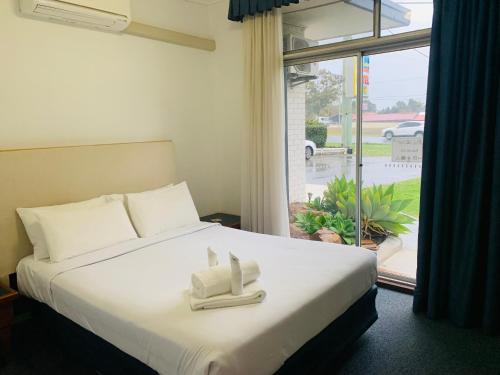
[{"x": 312, "y": 358}]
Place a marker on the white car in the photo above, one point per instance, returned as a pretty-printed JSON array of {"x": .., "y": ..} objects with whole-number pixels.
[
  {"x": 324, "y": 120},
  {"x": 310, "y": 149},
  {"x": 405, "y": 129}
]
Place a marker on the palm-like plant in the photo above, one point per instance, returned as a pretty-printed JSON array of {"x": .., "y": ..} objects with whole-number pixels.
[
  {"x": 307, "y": 222},
  {"x": 317, "y": 204},
  {"x": 338, "y": 190},
  {"x": 381, "y": 214},
  {"x": 337, "y": 223}
]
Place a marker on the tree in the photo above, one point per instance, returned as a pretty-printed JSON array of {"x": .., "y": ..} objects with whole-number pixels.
[
  {"x": 368, "y": 106},
  {"x": 322, "y": 93},
  {"x": 401, "y": 107},
  {"x": 415, "y": 105}
]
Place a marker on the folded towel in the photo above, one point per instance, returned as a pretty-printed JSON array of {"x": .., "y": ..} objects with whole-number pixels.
[
  {"x": 236, "y": 276},
  {"x": 217, "y": 280},
  {"x": 212, "y": 257},
  {"x": 252, "y": 293}
]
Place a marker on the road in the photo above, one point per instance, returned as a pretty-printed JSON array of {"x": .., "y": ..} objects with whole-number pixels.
[
  {"x": 321, "y": 169},
  {"x": 338, "y": 139}
]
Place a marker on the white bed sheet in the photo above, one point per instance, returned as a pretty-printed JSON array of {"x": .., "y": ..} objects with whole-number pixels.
[{"x": 136, "y": 296}]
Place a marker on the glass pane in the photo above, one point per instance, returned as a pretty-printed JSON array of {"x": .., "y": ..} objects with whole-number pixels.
[
  {"x": 317, "y": 22},
  {"x": 321, "y": 160},
  {"x": 399, "y": 16},
  {"x": 394, "y": 94}
]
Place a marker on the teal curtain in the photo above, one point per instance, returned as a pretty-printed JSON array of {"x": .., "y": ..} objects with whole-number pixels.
[
  {"x": 238, "y": 9},
  {"x": 458, "y": 275}
]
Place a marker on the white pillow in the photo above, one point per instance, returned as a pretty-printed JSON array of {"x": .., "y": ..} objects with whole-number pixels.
[
  {"x": 122, "y": 197},
  {"x": 31, "y": 223},
  {"x": 72, "y": 233},
  {"x": 163, "y": 209}
]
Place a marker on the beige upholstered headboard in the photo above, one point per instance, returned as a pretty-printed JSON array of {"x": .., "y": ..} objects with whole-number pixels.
[{"x": 47, "y": 176}]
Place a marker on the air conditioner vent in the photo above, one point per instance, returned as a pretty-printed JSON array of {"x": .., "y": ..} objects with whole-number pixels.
[
  {"x": 300, "y": 72},
  {"x": 76, "y": 13}
]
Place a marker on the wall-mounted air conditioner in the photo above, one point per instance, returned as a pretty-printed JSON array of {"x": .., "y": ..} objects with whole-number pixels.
[
  {"x": 108, "y": 15},
  {"x": 292, "y": 42}
]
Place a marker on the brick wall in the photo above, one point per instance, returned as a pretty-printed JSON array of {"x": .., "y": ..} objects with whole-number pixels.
[{"x": 296, "y": 107}]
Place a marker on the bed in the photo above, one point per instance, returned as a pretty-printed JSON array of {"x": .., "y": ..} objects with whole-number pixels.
[{"x": 130, "y": 301}]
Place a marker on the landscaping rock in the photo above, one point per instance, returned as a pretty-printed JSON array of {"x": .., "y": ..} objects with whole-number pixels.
[
  {"x": 326, "y": 235},
  {"x": 369, "y": 244},
  {"x": 296, "y": 232}
]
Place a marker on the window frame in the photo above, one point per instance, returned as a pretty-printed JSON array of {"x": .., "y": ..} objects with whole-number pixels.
[{"x": 375, "y": 44}]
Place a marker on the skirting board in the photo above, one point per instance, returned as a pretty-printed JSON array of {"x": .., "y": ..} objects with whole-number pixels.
[{"x": 169, "y": 36}]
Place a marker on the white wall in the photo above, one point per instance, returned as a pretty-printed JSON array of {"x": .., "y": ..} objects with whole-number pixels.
[
  {"x": 228, "y": 94},
  {"x": 179, "y": 15},
  {"x": 62, "y": 85}
]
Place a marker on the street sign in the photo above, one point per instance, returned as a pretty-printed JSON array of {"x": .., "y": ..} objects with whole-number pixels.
[
  {"x": 407, "y": 149},
  {"x": 365, "y": 75}
]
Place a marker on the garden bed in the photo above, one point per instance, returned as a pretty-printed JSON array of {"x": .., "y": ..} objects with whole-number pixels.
[{"x": 331, "y": 218}]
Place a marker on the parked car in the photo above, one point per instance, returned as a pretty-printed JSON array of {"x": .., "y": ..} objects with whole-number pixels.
[
  {"x": 310, "y": 149},
  {"x": 405, "y": 129},
  {"x": 325, "y": 120}
]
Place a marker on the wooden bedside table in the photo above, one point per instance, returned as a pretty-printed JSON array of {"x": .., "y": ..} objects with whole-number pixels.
[
  {"x": 227, "y": 220},
  {"x": 7, "y": 296}
]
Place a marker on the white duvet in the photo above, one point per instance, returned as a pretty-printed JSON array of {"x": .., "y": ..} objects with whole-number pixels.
[{"x": 135, "y": 295}]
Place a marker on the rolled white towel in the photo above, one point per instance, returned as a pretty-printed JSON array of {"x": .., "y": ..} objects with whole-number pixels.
[
  {"x": 217, "y": 280},
  {"x": 212, "y": 257},
  {"x": 236, "y": 275},
  {"x": 252, "y": 293}
]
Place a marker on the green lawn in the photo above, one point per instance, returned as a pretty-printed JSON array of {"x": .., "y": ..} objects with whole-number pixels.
[
  {"x": 409, "y": 189},
  {"x": 370, "y": 149}
]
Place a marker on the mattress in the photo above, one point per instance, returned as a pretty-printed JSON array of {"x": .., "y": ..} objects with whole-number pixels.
[{"x": 135, "y": 295}]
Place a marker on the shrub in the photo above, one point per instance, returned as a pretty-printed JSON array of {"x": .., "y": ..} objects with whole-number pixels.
[
  {"x": 339, "y": 190},
  {"x": 317, "y": 204},
  {"x": 307, "y": 222},
  {"x": 344, "y": 227},
  {"x": 317, "y": 134},
  {"x": 313, "y": 122},
  {"x": 381, "y": 214},
  {"x": 311, "y": 223}
]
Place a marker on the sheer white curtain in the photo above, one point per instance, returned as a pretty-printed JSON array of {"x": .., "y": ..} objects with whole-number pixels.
[{"x": 264, "y": 206}]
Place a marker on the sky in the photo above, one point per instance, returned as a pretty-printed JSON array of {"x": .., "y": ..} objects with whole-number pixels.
[{"x": 397, "y": 75}]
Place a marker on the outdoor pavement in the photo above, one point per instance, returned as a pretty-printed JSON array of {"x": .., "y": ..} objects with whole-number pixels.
[
  {"x": 402, "y": 264},
  {"x": 410, "y": 240}
]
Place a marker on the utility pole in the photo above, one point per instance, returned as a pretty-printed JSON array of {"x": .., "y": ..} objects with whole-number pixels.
[{"x": 348, "y": 72}]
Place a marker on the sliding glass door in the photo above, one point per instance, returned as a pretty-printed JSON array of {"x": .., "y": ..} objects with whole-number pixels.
[
  {"x": 394, "y": 93},
  {"x": 321, "y": 102},
  {"x": 322, "y": 154},
  {"x": 356, "y": 75}
]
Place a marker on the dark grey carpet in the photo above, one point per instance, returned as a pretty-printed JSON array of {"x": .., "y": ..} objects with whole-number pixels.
[
  {"x": 401, "y": 342},
  {"x": 398, "y": 343}
]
